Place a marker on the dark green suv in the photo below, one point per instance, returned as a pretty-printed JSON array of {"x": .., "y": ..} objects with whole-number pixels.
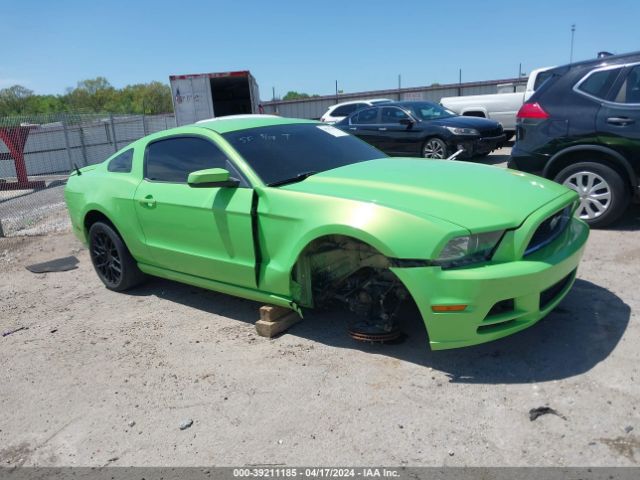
[{"x": 582, "y": 129}]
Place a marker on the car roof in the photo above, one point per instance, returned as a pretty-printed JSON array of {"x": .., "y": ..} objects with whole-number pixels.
[
  {"x": 235, "y": 123},
  {"x": 592, "y": 63},
  {"x": 407, "y": 103},
  {"x": 362, "y": 100}
]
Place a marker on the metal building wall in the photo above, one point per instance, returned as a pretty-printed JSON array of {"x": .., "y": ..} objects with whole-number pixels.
[{"x": 315, "y": 107}]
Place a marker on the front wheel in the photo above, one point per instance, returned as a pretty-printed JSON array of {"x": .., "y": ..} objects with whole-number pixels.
[
  {"x": 435, "y": 148},
  {"x": 603, "y": 193},
  {"x": 111, "y": 259}
]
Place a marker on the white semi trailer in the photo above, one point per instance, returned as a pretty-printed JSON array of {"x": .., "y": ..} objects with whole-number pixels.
[{"x": 208, "y": 95}]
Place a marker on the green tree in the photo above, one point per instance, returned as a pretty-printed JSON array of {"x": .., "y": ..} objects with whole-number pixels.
[
  {"x": 95, "y": 95},
  {"x": 92, "y": 94},
  {"x": 14, "y": 100},
  {"x": 293, "y": 95}
]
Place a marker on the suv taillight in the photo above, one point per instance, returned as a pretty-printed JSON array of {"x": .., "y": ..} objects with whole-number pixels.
[{"x": 532, "y": 110}]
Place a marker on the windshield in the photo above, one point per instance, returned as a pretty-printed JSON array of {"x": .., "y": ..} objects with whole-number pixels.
[
  {"x": 431, "y": 111},
  {"x": 278, "y": 153}
]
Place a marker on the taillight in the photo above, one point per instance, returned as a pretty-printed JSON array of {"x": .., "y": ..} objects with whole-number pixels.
[{"x": 532, "y": 110}]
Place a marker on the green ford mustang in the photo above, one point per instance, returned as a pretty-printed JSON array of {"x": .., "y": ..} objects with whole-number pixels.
[{"x": 299, "y": 214}]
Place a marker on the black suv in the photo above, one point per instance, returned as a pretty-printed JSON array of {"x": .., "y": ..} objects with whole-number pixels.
[{"x": 582, "y": 129}]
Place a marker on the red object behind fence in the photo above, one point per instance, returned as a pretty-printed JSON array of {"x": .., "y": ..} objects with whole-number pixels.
[{"x": 15, "y": 138}]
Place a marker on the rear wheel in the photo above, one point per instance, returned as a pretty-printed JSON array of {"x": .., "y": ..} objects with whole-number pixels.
[
  {"x": 434, "y": 148},
  {"x": 603, "y": 193},
  {"x": 111, "y": 258}
]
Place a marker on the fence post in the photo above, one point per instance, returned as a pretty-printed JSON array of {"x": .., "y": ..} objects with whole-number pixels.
[
  {"x": 113, "y": 133},
  {"x": 66, "y": 141},
  {"x": 144, "y": 125},
  {"x": 84, "y": 146},
  {"x": 1, "y": 231}
]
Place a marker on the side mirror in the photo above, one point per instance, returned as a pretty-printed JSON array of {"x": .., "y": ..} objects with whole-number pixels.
[
  {"x": 211, "y": 177},
  {"x": 406, "y": 121}
]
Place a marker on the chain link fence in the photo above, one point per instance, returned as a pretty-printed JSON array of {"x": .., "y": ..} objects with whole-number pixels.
[{"x": 38, "y": 151}]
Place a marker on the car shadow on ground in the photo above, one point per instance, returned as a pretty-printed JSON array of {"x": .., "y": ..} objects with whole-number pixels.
[
  {"x": 495, "y": 159},
  {"x": 581, "y": 332},
  {"x": 630, "y": 221}
]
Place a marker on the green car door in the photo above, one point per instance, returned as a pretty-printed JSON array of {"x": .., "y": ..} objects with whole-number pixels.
[{"x": 203, "y": 231}]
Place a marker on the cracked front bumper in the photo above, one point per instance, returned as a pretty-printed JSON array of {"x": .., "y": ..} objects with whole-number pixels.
[{"x": 502, "y": 297}]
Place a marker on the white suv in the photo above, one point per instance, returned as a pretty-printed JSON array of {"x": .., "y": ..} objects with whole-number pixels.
[{"x": 337, "y": 112}]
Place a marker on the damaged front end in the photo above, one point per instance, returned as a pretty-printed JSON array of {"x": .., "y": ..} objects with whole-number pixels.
[{"x": 342, "y": 271}]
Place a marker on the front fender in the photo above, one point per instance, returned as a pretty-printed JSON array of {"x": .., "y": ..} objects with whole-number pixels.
[{"x": 289, "y": 221}]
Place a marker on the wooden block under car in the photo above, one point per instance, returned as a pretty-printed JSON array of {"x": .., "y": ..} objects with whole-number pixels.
[{"x": 275, "y": 320}]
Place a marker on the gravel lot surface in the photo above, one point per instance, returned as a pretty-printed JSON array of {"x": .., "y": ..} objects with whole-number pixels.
[{"x": 173, "y": 375}]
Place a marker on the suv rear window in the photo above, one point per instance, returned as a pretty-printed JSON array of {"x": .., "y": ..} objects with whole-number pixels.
[
  {"x": 598, "y": 84},
  {"x": 346, "y": 110},
  {"x": 541, "y": 78}
]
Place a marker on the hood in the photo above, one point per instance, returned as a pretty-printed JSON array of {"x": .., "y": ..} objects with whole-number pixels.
[
  {"x": 466, "y": 122},
  {"x": 476, "y": 197}
]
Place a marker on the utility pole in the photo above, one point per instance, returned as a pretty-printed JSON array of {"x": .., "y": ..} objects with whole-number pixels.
[
  {"x": 399, "y": 87},
  {"x": 336, "y": 91},
  {"x": 515, "y": 87},
  {"x": 459, "y": 82},
  {"x": 273, "y": 96},
  {"x": 573, "y": 31}
]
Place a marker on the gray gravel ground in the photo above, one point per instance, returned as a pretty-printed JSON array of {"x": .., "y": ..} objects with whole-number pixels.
[
  {"x": 104, "y": 378},
  {"x": 21, "y": 210}
]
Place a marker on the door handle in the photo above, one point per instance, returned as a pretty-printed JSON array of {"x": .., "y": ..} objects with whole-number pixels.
[
  {"x": 382, "y": 129},
  {"x": 148, "y": 201},
  {"x": 622, "y": 121},
  {"x": 352, "y": 128}
]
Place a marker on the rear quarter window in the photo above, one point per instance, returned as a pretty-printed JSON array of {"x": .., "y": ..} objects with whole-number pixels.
[
  {"x": 121, "y": 163},
  {"x": 598, "y": 83}
]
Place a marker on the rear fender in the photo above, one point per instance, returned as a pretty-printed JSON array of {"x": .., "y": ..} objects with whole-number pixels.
[{"x": 553, "y": 165}]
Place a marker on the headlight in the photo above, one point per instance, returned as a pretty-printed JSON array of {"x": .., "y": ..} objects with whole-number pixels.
[
  {"x": 463, "y": 131},
  {"x": 468, "y": 249}
]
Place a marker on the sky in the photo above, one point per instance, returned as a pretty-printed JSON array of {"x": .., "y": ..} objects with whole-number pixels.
[{"x": 303, "y": 45}]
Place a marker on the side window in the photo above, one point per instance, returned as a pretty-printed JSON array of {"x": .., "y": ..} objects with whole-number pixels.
[
  {"x": 630, "y": 90},
  {"x": 344, "y": 110},
  {"x": 598, "y": 84},
  {"x": 369, "y": 115},
  {"x": 122, "y": 163},
  {"x": 173, "y": 159},
  {"x": 393, "y": 115}
]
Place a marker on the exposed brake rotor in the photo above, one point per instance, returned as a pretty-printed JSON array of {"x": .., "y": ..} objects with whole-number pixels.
[{"x": 367, "y": 332}]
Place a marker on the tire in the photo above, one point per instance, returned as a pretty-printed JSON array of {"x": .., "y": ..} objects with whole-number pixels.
[
  {"x": 603, "y": 194},
  {"x": 435, "y": 148},
  {"x": 111, "y": 259}
]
